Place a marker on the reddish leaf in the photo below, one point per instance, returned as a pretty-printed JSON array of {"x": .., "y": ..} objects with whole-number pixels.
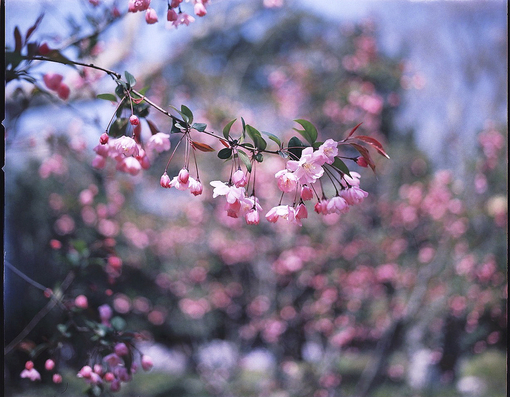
[
  {"x": 375, "y": 143},
  {"x": 153, "y": 127},
  {"x": 352, "y": 131},
  {"x": 365, "y": 153},
  {"x": 225, "y": 143},
  {"x": 201, "y": 146},
  {"x": 18, "y": 40},
  {"x": 34, "y": 27}
]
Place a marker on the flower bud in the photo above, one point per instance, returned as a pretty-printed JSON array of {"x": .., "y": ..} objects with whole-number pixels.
[
  {"x": 164, "y": 181},
  {"x": 44, "y": 49},
  {"x": 121, "y": 349},
  {"x": 81, "y": 302},
  {"x": 134, "y": 120},
  {"x": 146, "y": 362},
  {"x": 49, "y": 365},
  {"x": 200, "y": 10},
  {"x": 150, "y": 16},
  {"x": 306, "y": 193},
  {"x": 63, "y": 91},
  {"x": 171, "y": 15},
  {"x": 104, "y": 138},
  {"x": 57, "y": 378},
  {"x": 183, "y": 176},
  {"x": 52, "y": 80},
  {"x": 29, "y": 365}
]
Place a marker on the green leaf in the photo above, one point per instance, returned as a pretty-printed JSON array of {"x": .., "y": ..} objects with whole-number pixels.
[
  {"x": 188, "y": 113},
  {"x": 118, "y": 323},
  {"x": 225, "y": 153},
  {"x": 130, "y": 79},
  {"x": 257, "y": 139},
  {"x": 244, "y": 127},
  {"x": 199, "y": 126},
  {"x": 274, "y": 138},
  {"x": 295, "y": 147},
  {"x": 226, "y": 129},
  {"x": 309, "y": 132},
  {"x": 119, "y": 91},
  {"x": 339, "y": 164},
  {"x": 118, "y": 127},
  {"x": 107, "y": 97},
  {"x": 245, "y": 159},
  {"x": 63, "y": 330}
]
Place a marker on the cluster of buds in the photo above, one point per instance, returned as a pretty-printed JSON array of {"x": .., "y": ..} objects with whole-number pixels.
[
  {"x": 31, "y": 373},
  {"x": 183, "y": 181},
  {"x": 129, "y": 154},
  {"x": 175, "y": 15},
  {"x": 53, "y": 81},
  {"x": 113, "y": 370}
]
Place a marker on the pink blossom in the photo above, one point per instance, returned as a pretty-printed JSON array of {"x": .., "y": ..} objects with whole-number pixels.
[
  {"x": 146, "y": 362},
  {"x": 175, "y": 182},
  {"x": 159, "y": 142},
  {"x": 183, "y": 176},
  {"x": 134, "y": 120},
  {"x": 31, "y": 374},
  {"x": 164, "y": 181},
  {"x": 81, "y": 302},
  {"x": 232, "y": 193},
  {"x": 126, "y": 146},
  {"x": 113, "y": 360},
  {"x": 327, "y": 151},
  {"x": 151, "y": 16},
  {"x": 337, "y": 205},
  {"x": 306, "y": 193},
  {"x": 138, "y": 5},
  {"x": 183, "y": 19},
  {"x": 352, "y": 180},
  {"x": 252, "y": 217},
  {"x": 63, "y": 91},
  {"x": 308, "y": 168},
  {"x": 199, "y": 10},
  {"x": 171, "y": 15},
  {"x": 121, "y": 349},
  {"x": 301, "y": 211},
  {"x": 239, "y": 178},
  {"x": 175, "y": 3},
  {"x": 287, "y": 181},
  {"x": 57, "y": 378},
  {"x": 129, "y": 165},
  {"x": 322, "y": 207},
  {"x": 103, "y": 139},
  {"x": 353, "y": 195},
  {"x": 281, "y": 211},
  {"x": 109, "y": 377},
  {"x": 105, "y": 313},
  {"x": 49, "y": 364},
  {"x": 85, "y": 372},
  {"x": 195, "y": 187},
  {"x": 52, "y": 80}
]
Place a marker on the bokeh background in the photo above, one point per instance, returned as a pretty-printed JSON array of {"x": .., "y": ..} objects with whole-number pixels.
[{"x": 406, "y": 295}]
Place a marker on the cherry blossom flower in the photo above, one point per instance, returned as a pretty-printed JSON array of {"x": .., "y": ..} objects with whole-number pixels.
[
  {"x": 306, "y": 193},
  {"x": 81, "y": 302},
  {"x": 327, "y": 151},
  {"x": 150, "y": 16},
  {"x": 281, "y": 211},
  {"x": 308, "y": 168},
  {"x": 31, "y": 374},
  {"x": 129, "y": 165},
  {"x": 353, "y": 195},
  {"x": 239, "y": 178},
  {"x": 337, "y": 205},
  {"x": 138, "y": 5},
  {"x": 159, "y": 142},
  {"x": 352, "y": 180},
  {"x": 199, "y": 10},
  {"x": 126, "y": 146},
  {"x": 183, "y": 19},
  {"x": 232, "y": 193},
  {"x": 287, "y": 181},
  {"x": 195, "y": 187}
]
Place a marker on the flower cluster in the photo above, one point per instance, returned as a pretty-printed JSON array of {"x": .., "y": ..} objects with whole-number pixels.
[
  {"x": 175, "y": 15},
  {"x": 53, "y": 81},
  {"x": 31, "y": 373},
  {"x": 129, "y": 154}
]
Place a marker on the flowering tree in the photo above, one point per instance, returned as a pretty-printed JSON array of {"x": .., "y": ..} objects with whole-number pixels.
[{"x": 300, "y": 293}]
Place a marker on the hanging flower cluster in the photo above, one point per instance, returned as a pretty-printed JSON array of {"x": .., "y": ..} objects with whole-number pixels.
[
  {"x": 174, "y": 15},
  {"x": 308, "y": 164}
]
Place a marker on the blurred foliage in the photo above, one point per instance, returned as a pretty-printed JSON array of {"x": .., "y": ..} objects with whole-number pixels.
[{"x": 421, "y": 264}]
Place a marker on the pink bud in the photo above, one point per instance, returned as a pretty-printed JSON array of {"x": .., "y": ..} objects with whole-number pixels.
[
  {"x": 57, "y": 378},
  {"x": 109, "y": 377},
  {"x": 361, "y": 161},
  {"x": 239, "y": 179},
  {"x": 52, "y": 80},
  {"x": 146, "y": 362},
  {"x": 85, "y": 372},
  {"x": 171, "y": 15},
  {"x": 252, "y": 217},
  {"x": 121, "y": 349},
  {"x": 301, "y": 212},
  {"x": 175, "y": 3},
  {"x": 183, "y": 176},
  {"x": 49, "y": 365},
  {"x": 195, "y": 187},
  {"x": 200, "y": 10},
  {"x": 151, "y": 16},
  {"x": 81, "y": 302},
  {"x": 134, "y": 120},
  {"x": 104, "y": 138},
  {"x": 63, "y": 91},
  {"x": 306, "y": 193},
  {"x": 164, "y": 181},
  {"x": 29, "y": 365}
]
